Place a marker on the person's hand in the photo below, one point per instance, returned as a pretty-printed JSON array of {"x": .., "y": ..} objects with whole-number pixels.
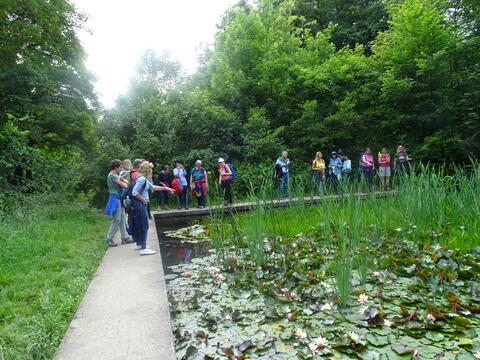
[
  {"x": 145, "y": 202},
  {"x": 220, "y": 182},
  {"x": 170, "y": 190}
]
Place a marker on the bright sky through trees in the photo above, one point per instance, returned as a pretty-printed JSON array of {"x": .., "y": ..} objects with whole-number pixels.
[{"x": 120, "y": 30}]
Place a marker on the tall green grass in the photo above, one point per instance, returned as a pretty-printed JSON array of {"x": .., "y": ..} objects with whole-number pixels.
[
  {"x": 49, "y": 252},
  {"x": 430, "y": 203}
]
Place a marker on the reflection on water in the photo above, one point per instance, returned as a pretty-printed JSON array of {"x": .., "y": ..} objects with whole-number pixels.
[{"x": 176, "y": 251}]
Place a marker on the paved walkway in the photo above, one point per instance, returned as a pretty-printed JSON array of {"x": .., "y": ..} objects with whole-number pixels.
[{"x": 124, "y": 314}]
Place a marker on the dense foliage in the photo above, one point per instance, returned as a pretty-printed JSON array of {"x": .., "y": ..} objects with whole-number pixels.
[
  {"x": 304, "y": 75},
  {"x": 46, "y": 95},
  {"x": 314, "y": 76}
]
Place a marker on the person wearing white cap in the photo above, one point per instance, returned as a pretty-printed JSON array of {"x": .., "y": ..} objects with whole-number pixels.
[
  {"x": 224, "y": 180},
  {"x": 283, "y": 163}
]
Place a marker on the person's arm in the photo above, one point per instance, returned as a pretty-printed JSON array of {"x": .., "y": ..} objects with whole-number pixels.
[
  {"x": 191, "y": 180},
  {"x": 163, "y": 188},
  {"x": 120, "y": 181},
  {"x": 206, "y": 178},
  {"x": 229, "y": 171},
  {"x": 313, "y": 166}
]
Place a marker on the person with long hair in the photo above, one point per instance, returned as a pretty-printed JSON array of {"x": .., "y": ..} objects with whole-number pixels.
[
  {"x": 368, "y": 167},
  {"x": 126, "y": 168},
  {"x": 140, "y": 201},
  {"x": 318, "y": 172},
  {"x": 199, "y": 183},
  {"x": 401, "y": 163},
  {"x": 384, "y": 169},
  {"x": 116, "y": 185}
]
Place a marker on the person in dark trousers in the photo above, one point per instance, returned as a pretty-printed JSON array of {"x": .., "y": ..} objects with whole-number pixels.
[
  {"x": 199, "y": 183},
  {"x": 116, "y": 184},
  {"x": 224, "y": 180},
  {"x": 163, "y": 179},
  {"x": 140, "y": 223},
  {"x": 368, "y": 168},
  {"x": 401, "y": 163},
  {"x": 181, "y": 175},
  {"x": 283, "y": 162}
]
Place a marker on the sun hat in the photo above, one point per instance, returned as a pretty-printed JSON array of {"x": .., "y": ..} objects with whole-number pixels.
[{"x": 221, "y": 160}]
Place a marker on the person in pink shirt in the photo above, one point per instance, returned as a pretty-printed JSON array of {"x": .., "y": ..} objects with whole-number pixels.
[
  {"x": 368, "y": 167},
  {"x": 384, "y": 169}
]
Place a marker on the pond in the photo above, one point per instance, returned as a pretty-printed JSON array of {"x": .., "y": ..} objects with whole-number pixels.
[{"x": 419, "y": 302}]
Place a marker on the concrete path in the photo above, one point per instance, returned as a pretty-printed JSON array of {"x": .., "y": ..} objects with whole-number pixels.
[{"x": 124, "y": 314}]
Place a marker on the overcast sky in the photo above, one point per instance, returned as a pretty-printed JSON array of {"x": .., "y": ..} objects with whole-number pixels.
[{"x": 120, "y": 30}]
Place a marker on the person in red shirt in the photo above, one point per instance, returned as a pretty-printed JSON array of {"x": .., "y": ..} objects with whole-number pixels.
[
  {"x": 384, "y": 169},
  {"x": 136, "y": 166},
  {"x": 224, "y": 181}
]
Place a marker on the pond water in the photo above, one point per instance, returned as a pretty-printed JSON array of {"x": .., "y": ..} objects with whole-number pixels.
[{"x": 177, "y": 249}]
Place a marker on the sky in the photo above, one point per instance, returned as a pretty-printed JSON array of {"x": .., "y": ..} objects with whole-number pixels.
[{"x": 119, "y": 31}]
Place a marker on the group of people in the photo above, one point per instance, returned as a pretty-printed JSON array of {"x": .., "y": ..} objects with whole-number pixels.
[
  {"x": 340, "y": 169},
  {"x": 129, "y": 188},
  {"x": 130, "y": 184}
]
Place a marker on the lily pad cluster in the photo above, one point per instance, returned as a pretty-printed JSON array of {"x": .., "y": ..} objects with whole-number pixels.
[{"x": 416, "y": 301}]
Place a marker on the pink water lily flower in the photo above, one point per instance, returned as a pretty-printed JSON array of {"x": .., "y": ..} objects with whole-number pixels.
[{"x": 430, "y": 318}]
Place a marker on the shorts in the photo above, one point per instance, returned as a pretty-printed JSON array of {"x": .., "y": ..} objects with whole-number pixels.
[{"x": 384, "y": 171}]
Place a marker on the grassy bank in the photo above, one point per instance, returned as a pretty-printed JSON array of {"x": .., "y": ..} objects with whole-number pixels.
[{"x": 48, "y": 255}]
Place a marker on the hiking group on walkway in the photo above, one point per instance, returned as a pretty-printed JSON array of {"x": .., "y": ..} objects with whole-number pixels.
[{"x": 130, "y": 186}]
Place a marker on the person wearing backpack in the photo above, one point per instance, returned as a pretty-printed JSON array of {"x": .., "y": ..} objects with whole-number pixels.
[
  {"x": 116, "y": 184},
  {"x": 226, "y": 176},
  {"x": 126, "y": 169},
  {"x": 283, "y": 163},
  {"x": 134, "y": 171},
  {"x": 199, "y": 183},
  {"x": 180, "y": 175},
  {"x": 140, "y": 222}
]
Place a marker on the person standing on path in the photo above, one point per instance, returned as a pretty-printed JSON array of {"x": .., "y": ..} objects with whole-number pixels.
[
  {"x": 225, "y": 174},
  {"x": 116, "y": 184},
  {"x": 335, "y": 170},
  {"x": 134, "y": 173},
  {"x": 199, "y": 183},
  {"x": 163, "y": 179},
  {"x": 401, "y": 163},
  {"x": 126, "y": 169},
  {"x": 384, "y": 169},
  {"x": 318, "y": 172},
  {"x": 181, "y": 175},
  {"x": 140, "y": 193},
  {"x": 368, "y": 166},
  {"x": 283, "y": 163}
]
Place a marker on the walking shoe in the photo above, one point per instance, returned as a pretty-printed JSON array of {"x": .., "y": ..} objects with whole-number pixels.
[
  {"x": 128, "y": 240},
  {"x": 147, "y": 251},
  {"x": 139, "y": 247},
  {"x": 166, "y": 207},
  {"x": 179, "y": 208},
  {"x": 186, "y": 208},
  {"x": 111, "y": 243}
]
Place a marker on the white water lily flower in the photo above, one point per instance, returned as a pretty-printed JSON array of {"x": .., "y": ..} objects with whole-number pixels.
[
  {"x": 313, "y": 347},
  {"x": 477, "y": 355},
  {"x": 387, "y": 322},
  {"x": 363, "y": 298},
  {"x": 294, "y": 245},
  {"x": 321, "y": 341},
  {"x": 353, "y": 336},
  {"x": 398, "y": 229},
  {"x": 292, "y": 295},
  {"x": 327, "y": 307},
  {"x": 300, "y": 333},
  {"x": 377, "y": 274}
]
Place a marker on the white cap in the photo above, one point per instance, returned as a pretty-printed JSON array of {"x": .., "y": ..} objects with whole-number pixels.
[{"x": 221, "y": 160}]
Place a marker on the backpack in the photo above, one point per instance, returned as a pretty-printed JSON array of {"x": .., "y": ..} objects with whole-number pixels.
[
  {"x": 126, "y": 197},
  {"x": 234, "y": 173}
]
